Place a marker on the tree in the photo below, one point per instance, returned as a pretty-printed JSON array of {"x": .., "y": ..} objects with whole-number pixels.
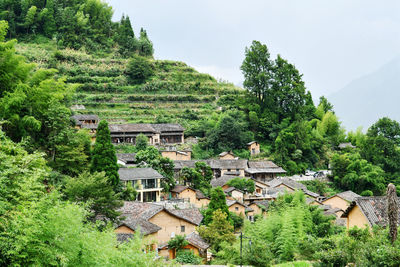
[
  {"x": 177, "y": 243},
  {"x": 198, "y": 177},
  {"x": 141, "y": 142},
  {"x": 139, "y": 69},
  {"x": 393, "y": 211},
  {"x": 103, "y": 155},
  {"x": 218, "y": 231},
  {"x": 217, "y": 202},
  {"x": 95, "y": 190},
  {"x": 242, "y": 184}
]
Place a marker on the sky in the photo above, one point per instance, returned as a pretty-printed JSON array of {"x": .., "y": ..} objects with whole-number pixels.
[{"x": 330, "y": 42}]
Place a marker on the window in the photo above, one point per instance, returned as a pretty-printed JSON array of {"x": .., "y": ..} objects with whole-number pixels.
[
  {"x": 236, "y": 208},
  {"x": 182, "y": 228},
  {"x": 149, "y": 183}
]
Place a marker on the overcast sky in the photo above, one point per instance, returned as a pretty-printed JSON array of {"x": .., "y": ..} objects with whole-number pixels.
[{"x": 330, "y": 42}]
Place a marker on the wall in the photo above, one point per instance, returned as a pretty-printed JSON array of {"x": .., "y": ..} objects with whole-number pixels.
[
  {"x": 241, "y": 172},
  {"x": 174, "y": 155},
  {"x": 237, "y": 195},
  {"x": 124, "y": 230},
  {"x": 188, "y": 193},
  {"x": 227, "y": 156},
  {"x": 356, "y": 218},
  {"x": 256, "y": 147},
  {"x": 201, "y": 203},
  {"x": 336, "y": 202},
  {"x": 170, "y": 224},
  {"x": 241, "y": 209}
]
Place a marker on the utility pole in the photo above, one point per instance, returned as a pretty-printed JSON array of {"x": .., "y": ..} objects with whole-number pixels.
[{"x": 241, "y": 259}]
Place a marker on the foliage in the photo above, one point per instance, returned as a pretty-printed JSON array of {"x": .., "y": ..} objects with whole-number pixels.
[
  {"x": 351, "y": 172},
  {"x": 198, "y": 177},
  {"x": 139, "y": 69},
  {"x": 103, "y": 155},
  {"x": 187, "y": 257},
  {"x": 218, "y": 231},
  {"x": 177, "y": 243},
  {"x": 242, "y": 184},
  {"x": 141, "y": 142},
  {"x": 217, "y": 202},
  {"x": 96, "y": 191},
  {"x": 151, "y": 157},
  {"x": 129, "y": 193}
]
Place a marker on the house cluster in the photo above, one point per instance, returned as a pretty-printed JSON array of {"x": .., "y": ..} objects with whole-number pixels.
[{"x": 158, "y": 134}]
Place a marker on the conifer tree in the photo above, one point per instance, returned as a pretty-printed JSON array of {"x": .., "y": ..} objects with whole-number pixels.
[
  {"x": 103, "y": 154},
  {"x": 217, "y": 202}
]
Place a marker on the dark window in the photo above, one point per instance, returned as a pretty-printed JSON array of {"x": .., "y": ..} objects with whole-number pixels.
[
  {"x": 149, "y": 183},
  {"x": 182, "y": 228},
  {"x": 236, "y": 208}
]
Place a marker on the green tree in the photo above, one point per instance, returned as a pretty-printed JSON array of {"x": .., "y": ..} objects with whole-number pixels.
[
  {"x": 103, "y": 154},
  {"x": 218, "y": 231},
  {"x": 177, "y": 243},
  {"x": 139, "y": 69},
  {"x": 242, "y": 184},
  {"x": 95, "y": 190},
  {"x": 141, "y": 142},
  {"x": 217, "y": 202}
]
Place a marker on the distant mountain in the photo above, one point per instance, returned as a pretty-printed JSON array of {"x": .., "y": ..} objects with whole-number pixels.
[{"x": 373, "y": 96}]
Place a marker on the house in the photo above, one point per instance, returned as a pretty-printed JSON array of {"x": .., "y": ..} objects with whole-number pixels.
[
  {"x": 367, "y": 212},
  {"x": 195, "y": 243},
  {"x": 146, "y": 180},
  {"x": 234, "y": 194},
  {"x": 258, "y": 208},
  {"x": 194, "y": 196},
  {"x": 234, "y": 167},
  {"x": 227, "y": 155},
  {"x": 254, "y": 148},
  {"x": 126, "y": 158},
  {"x": 222, "y": 181},
  {"x": 156, "y": 133},
  {"x": 236, "y": 207},
  {"x": 158, "y": 225},
  {"x": 341, "y": 200},
  {"x": 89, "y": 122},
  {"x": 177, "y": 155},
  {"x": 263, "y": 171}
]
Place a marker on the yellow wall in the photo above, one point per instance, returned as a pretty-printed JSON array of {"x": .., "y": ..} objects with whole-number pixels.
[
  {"x": 174, "y": 155},
  {"x": 201, "y": 203},
  {"x": 227, "y": 156},
  {"x": 256, "y": 147},
  {"x": 170, "y": 224},
  {"x": 336, "y": 202},
  {"x": 241, "y": 209},
  {"x": 356, "y": 218},
  {"x": 124, "y": 230},
  {"x": 237, "y": 195},
  {"x": 188, "y": 193}
]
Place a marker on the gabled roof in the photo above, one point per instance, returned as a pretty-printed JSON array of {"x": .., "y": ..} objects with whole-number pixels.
[
  {"x": 85, "y": 117},
  {"x": 252, "y": 142},
  {"x": 373, "y": 208},
  {"x": 180, "y": 164},
  {"x": 180, "y": 188},
  {"x": 137, "y": 215},
  {"x": 223, "y": 180},
  {"x": 126, "y": 157},
  {"x": 265, "y": 170},
  {"x": 231, "y": 188},
  {"x": 168, "y": 127},
  {"x": 286, "y": 181},
  {"x": 132, "y": 127},
  {"x": 265, "y": 164},
  {"x": 129, "y": 174},
  {"x": 196, "y": 240},
  {"x": 348, "y": 195},
  {"x": 200, "y": 195},
  {"x": 227, "y": 164},
  {"x": 226, "y": 153}
]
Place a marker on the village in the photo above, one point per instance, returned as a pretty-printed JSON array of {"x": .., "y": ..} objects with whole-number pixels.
[{"x": 160, "y": 216}]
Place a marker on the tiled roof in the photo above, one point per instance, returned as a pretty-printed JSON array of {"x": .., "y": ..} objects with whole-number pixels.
[
  {"x": 191, "y": 215},
  {"x": 266, "y": 164},
  {"x": 265, "y": 170},
  {"x": 132, "y": 127},
  {"x": 126, "y": 157},
  {"x": 168, "y": 127},
  {"x": 223, "y": 180},
  {"x": 200, "y": 195},
  {"x": 122, "y": 237},
  {"x": 180, "y": 164},
  {"x": 262, "y": 203},
  {"x": 373, "y": 208},
  {"x": 345, "y": 145},
  {"x": 252, "y": 142},
  {"x": 227, "y": 164},
  {"x": 137, "y": 215},
  {"x": 310, "y": 193},
  {"x": 196, "y": 240},
  {"x": 180, "y": 188},
  {"x": 85, "y": 117},
  {"x": 288, "y": 182},
  {"x": 128, "y": 174},
  {"x": 348, "y": 195}
]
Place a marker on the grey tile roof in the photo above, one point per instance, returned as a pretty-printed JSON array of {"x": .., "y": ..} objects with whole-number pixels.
[
  {"x": 196, "y": 240},
  {"x": 373, "y": 208},
  {"x": 126, "y": 157},
  {"x": 132, "y": 127},
  {"x": 223, "y": 180},
  {"x": 200, "y": 195},
  {"x": 266, "y": 164},
  {"x": 85, "y": 117},
  {"x": 129, "y": 174},
  {"x": 180, "y": 188},
  {"x": 180, "y": 164},
  {"x": 121, "y": 237},
  {"x": 226, "y": 153},
  {"x": 240, "y": 164},
  {"x": 191, "y": 215},
  {"x": 252, "y": 142},
  {"x": 262, "y": 203},
  {"x": 168, "y": 127},
  {"x": 265, "y": 170},
  {"x": 348, "y": 195},
  {"x": 288, "y": 182},
  {"x": 310, "y": 193},
  {"x": 136, "y": 215}
]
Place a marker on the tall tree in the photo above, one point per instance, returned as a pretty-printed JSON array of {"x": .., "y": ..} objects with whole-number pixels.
[
  {"x": 393, "y": 211},
  {"x": 103, "y": 154},
  {"x": 217, "y": 202}
]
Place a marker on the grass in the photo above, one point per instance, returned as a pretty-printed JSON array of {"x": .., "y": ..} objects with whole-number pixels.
[
  {"x": 294, "y": 264},
  {"x": 176, "y": 93}
]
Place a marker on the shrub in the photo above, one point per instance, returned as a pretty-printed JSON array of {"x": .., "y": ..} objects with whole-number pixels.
[
  {"x": 187, "y": 257},
  {"x": 139, "y": 69}
]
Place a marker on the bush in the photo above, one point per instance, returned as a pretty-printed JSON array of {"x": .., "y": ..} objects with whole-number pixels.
[
  {"x": 187, "y": 257},
  {"x": 139, "y": 69}
]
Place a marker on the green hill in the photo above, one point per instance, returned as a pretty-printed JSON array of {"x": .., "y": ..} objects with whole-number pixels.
[{"x": 176, "y": 92}]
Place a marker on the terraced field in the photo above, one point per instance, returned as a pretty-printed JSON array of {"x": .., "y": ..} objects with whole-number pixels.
[{"x": 177, "y": 92}]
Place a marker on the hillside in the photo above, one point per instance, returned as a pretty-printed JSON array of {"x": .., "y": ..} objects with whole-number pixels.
[
  {"x": 176, "y": 93},
  {"x": 365, "y": 100}
]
